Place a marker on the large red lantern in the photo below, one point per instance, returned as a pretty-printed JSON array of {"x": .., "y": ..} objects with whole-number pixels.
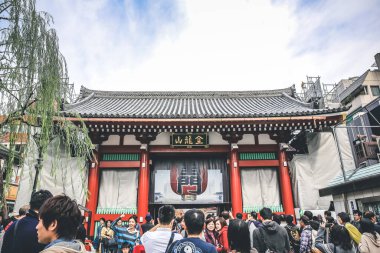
[{"x": 188, "y": 179}]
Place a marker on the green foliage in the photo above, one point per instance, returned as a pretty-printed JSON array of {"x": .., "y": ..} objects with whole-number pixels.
[{"x": 34, "y": 83}]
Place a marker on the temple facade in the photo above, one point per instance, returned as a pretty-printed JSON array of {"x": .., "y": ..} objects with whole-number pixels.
[{"x": 219, "y": 150}]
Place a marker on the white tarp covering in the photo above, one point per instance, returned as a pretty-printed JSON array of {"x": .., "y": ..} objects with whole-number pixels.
[
  {"x": 118, "y": 188},
  {"x": 345, "y": 148},
  {"x": 68, "y": 177},
  {"x": 314, "y": 171},
  {"x": 260, "y": 187}
]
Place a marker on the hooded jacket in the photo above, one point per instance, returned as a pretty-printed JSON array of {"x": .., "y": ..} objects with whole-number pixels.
[
  {"x": 271, "y": 236},
  {"x": 66, "y": 247},
  {"x": 369, "y": 244}
]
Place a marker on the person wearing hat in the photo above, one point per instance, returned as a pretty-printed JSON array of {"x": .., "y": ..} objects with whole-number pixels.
[{"x": 148, "y": 225}]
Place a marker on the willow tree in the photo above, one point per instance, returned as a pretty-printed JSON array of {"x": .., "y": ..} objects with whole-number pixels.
[{"x": 34, "y": 85}]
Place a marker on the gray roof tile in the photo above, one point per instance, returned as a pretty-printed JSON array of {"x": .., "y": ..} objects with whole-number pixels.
[
  {"x": 191, "y": 104},
  {"x": 356, "y": 175}
]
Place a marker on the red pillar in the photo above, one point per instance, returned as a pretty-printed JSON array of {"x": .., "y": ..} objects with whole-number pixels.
[
  {"x": 143, "y": 190},
  {"x": 235, "y": 183},
  {"x": 93, "y": 188},
  {"x": 286, "y": 186}
]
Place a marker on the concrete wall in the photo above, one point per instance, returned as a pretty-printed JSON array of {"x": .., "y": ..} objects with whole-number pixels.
[{"x": 354, "y": 198}]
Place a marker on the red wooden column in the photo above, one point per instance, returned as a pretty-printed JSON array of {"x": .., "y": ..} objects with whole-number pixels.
[
  {"x": 286, "y": 186},
  {"x": 235, "y": 181},
  {"x": 143, "y": 190},
  {"x": 93, "y": 188}
]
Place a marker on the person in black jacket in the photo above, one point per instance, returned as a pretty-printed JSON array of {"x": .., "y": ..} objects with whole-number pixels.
[
  {"x": 372, "y": 217},
  {"x": 148, "y": 225},
  {"x": 22, "y": 234}
]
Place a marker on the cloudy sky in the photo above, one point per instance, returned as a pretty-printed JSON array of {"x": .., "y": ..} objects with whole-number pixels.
[{"x": 213, "y": 44}]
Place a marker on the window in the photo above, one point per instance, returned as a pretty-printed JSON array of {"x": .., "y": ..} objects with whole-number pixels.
[{"x": 375, "y": 90}]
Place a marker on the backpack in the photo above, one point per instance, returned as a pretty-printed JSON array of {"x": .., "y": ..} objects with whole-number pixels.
[{"x": 294, "y": 236}]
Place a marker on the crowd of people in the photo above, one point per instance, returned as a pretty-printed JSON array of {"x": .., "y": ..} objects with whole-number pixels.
[
  {"x": 264, "y": 232},
  {"x": 55, "y": 224}
]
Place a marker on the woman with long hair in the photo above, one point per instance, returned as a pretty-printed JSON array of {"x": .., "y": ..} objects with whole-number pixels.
[
  {"x": 221, "y": 228},
  {"x": 370, "y": 240},
  {"x": 340, "y": 240},
  {"x": 210, "y": 234},
  {"x": 238, "y": 236},
  {"x": 106, "y": 234}
]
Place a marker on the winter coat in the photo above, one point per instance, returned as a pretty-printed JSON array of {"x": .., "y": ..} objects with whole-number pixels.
[
  {"x": 306, "y": 240},
  {"x": 368, "y": 243},
  {"x": 223, "y": 239},
  {"x": 66, "y": 247},
  {"x": 25, "y": 237},
  {"x": 271, "y": 236},
  {"x": 329, "y": 247}
]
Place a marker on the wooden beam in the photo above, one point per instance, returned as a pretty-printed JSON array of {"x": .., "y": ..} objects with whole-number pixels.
[
  {"x": 119, "y": 164},
  {"x": 120, "y": 149},
  {"x": 258, "y": 148},
  {"x": 259, "y": 163}
]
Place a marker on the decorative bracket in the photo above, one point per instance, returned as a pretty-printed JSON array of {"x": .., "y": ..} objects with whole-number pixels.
[
  {"x": 232, "y": 137},
  {"x": 145, "y": 138}
]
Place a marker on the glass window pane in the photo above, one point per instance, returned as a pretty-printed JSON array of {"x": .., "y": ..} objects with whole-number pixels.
[{"x": 375, "y": 90}]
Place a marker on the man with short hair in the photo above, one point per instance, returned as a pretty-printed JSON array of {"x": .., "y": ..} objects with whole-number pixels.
[
  {"x": 157, "y": 239},
  {"x": 372, "y": 217},
  {"x": 253, "y": 224},
  {"x": 23, "y": 211},
  {"x": 271, "y": 236},
  {"x": 226, "y": 215},
  {"x": 58, "y": 224},
  {"x": 22, "y": 235},
  {"x": 239, "y": 216},
  {"x": 308, "y": 214},
  {"x": 357, "y": 218},
  {"x": 306, "y": 236},
  {"x": 148, "y": 225},
  {"x": 194, "y": 222}
]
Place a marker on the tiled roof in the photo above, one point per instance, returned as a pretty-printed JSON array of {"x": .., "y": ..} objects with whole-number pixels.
[
  {"x": 355, "y": 85},
  {"x": 356, "y": 175},
  {"x": 356, "y": 180},
  {"x": 191, "y": 104}
]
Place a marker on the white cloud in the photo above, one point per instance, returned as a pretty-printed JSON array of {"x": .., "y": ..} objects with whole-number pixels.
[{"x": 213, "y": 44}]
